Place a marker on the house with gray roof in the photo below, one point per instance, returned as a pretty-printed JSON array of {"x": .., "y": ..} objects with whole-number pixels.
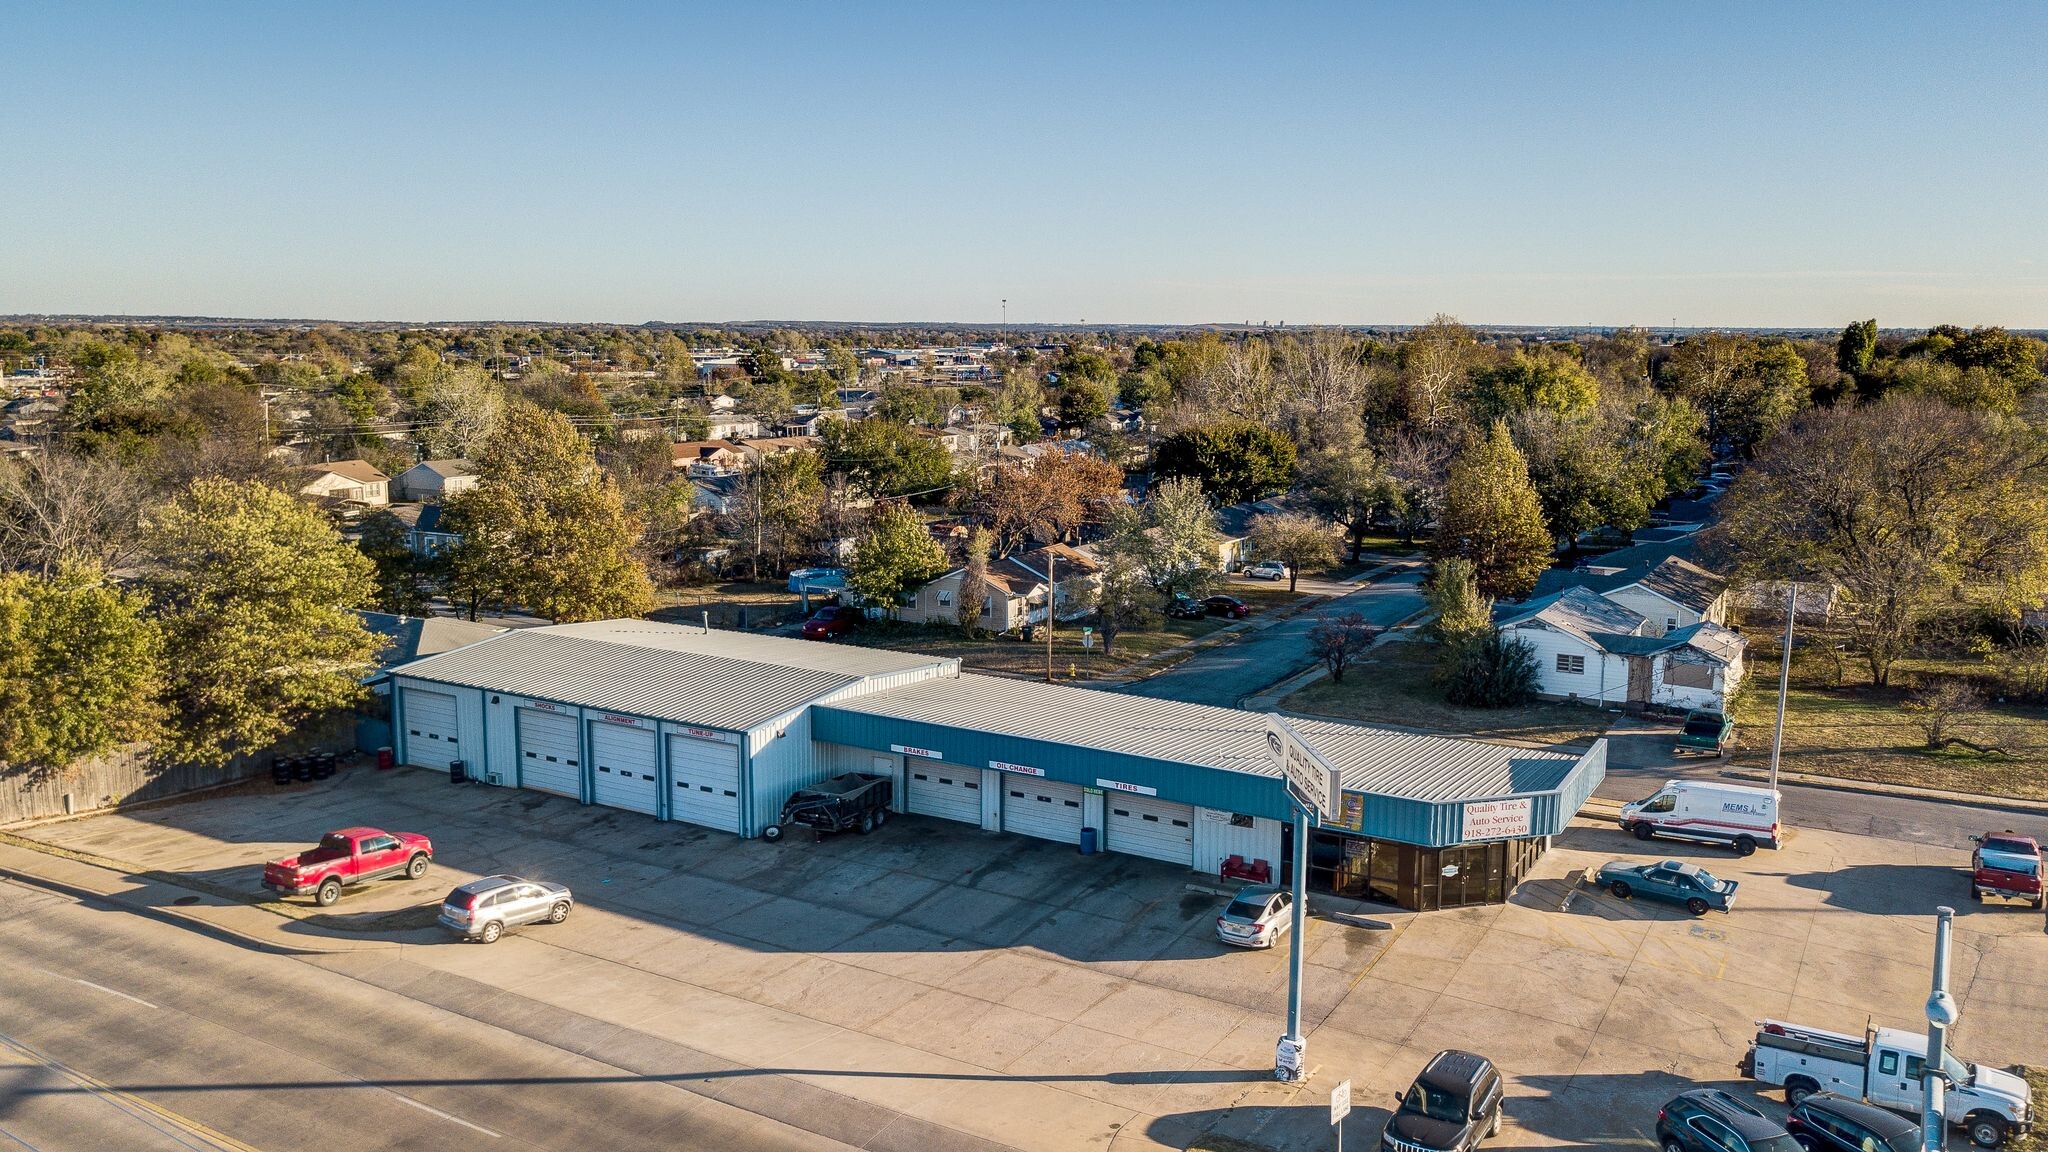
[{"x": 1594, "y": 649}]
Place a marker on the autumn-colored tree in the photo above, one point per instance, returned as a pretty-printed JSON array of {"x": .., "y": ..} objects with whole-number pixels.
[
  {"x": 1493, "y": 518},
  {"x": 1295, "y": 540},
  {"x": 973, "y": 595},
  {"x": 1049, "y": 498}
]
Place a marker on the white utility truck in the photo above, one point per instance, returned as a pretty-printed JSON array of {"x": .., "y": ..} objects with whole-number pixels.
[{"x": 1884, "y": 1066}]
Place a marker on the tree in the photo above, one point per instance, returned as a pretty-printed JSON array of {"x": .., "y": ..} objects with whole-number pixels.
[
  {"x": 905, "y": 402},
  {"x": 1172, "y": 539},
  {"x": 775, "y": 507},
  {"x": 1548, "y": 382},
  {"x": 885, "y": 459},
  {"x": 1493, "y": 670},
  {"x": 1123, "y": 600},
  {"x": 1338, "y": 641},
  {"x": 1083, "y": 403},
  {"x": 1434, "y": 362},
  {"x": 1294, "y": 539},
  {"x": 1458, "y": 612},
  {"x": 1941, "y": 707},
  {"x": 1748, "y": 388},
  {"x": 1049, "y": 498},
  {"x": 545, "y": 527},
  {"x": 1348, "y": 485},
  {"x": 896, "y": 555},
  {"x": 1233, "y": 461},
  {"x": 402, "y": 579},
  {"x": 81, "y": 669},
  {"x": 1493, "y": 518},
  {"x": 253, "y": 592},
  {"x": 58, "y": 509},
  {"x": 973, "y": 595},
  {"x": 1913, "y": 509},
  {"x": 1857, "y": 348}
]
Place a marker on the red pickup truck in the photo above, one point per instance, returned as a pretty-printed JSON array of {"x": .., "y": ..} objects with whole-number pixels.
[
  {"x": 349, "y": 856},
  {"x": 2007, "y": 864}
]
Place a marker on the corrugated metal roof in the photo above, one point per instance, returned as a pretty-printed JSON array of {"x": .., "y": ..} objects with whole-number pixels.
[
  {"x": 726, "y": 680},
  {"x": 1376, "y": 760}
]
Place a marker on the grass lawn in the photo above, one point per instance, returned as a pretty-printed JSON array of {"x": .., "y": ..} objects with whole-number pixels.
[
  {"x": 1859, "y": 732},
  {"x": 766, "y": 603},
  {"x": 1394, "y": 687}
]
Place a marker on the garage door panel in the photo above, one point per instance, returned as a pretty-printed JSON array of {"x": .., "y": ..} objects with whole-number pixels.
[
  {"x": 946, "y": 791},
  {"x": 704, "y": 782},
  {"x": 550, "y": 755},
  {"x": 1042, "y": 808},
  {"x": 431, "y": 728},
  {"x": 1154, "y": 829},
  {"x": 626, "y": 770}
]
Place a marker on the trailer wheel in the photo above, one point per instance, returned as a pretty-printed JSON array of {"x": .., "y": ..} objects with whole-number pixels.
[
  {"x": 1797, "y": 1089},
  {"x": 881, "y": 817},
  {"x": 772, "y": 833},
  {"x": 867, "y": 823},
  {"x": 1745, "y": 846},
  {"x": 1986, "y": 1130}
]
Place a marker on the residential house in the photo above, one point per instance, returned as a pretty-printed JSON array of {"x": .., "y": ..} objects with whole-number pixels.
[
  {"x": 1598, "y": 651},
  {"x": 429, "y": 535},
  {"x": 436, "y": 480},
  {"x": 715, "y": 494},
  {"x": 1015, "y": 590},
  {"x": 352, "y": 481},
  {"x": 708, "y": 458},
  {"x": 731, "y": 426},
  {"x": 759, "y": 448},
  {"x": 1674, "y": 594}
]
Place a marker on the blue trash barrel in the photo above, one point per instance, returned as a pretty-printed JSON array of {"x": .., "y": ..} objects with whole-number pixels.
[{"x": 1087, "y": 841}]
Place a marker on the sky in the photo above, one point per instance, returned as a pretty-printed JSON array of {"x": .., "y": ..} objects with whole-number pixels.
[{"x": 1513, "y": 163}]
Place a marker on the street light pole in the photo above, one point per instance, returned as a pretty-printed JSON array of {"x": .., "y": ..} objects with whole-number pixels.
[
  {"x": 1941, "y": 1012},
  {"x": 1784, "y": 679},
  {"x": 1292, "y": 1045},
  {"x": 1052, "y": 585}
]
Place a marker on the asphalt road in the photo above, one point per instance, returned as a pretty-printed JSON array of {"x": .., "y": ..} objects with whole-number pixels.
[
  {"x": 122, "y": 1031},
  {"x": 1227, "y": 674}
]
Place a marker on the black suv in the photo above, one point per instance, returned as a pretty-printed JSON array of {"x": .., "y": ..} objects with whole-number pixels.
[
  {"x": 1825, "y": 1122},
  {"x": 1451, "y": 1107},
  {"x": 1710, "y": 1120}
]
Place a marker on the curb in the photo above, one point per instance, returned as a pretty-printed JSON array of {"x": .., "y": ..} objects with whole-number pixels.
[
  {"x": 1295, "y": 682},
  {"x": 1898, "y": 791}
]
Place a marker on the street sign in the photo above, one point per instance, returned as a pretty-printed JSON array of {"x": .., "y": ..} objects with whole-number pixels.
[
  {"x": 1088, "y": 638},
  {"x": 1340, "y": 1102},
  {"x": 1287, "y": 1057},
  {"x": 1313, "y": 781}
]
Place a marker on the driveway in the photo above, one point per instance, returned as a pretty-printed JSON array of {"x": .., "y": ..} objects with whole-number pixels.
[
  {"x": 1227, "y": 674},
  {"x": 1009, "y": 991}
]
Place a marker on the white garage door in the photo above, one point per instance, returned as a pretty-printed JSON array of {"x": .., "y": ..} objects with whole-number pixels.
[
  {"x": 626, "y": 771},
  {"x": 1158, "y": 829},
  {"x": 430, "y": 728},
  {"x": 550, "y": 756},
  {"x": 1042, "y": 808},
  {"x": 947, "y": 791},
  {"x": 707, "y": 782}
]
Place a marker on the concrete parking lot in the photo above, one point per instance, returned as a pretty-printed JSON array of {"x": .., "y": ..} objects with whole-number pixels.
[{"x": 1011, "y": 990}]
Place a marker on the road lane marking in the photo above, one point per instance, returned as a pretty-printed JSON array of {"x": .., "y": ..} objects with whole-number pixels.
[
  {"x": 444, "y": 1115},
  {"x": 97, "y": 988},
  {"x": 129, "y": 1103}
]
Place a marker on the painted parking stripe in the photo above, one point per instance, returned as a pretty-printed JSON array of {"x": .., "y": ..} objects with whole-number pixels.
[
  {"x": 444, "y": 1115},
  {"x": 98, "y": 988}
]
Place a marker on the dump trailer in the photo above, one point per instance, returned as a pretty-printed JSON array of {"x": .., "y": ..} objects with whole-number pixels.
[{"x": 856, "y": 801}]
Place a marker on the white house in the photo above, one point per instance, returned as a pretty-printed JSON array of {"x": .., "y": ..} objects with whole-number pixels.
[
  {"x": 1014, "y": 595},
  {"x": 1599, "y": 651},
  {"x": 436, "y": 479},
  {"x": 731, "y": 426},
  {"x": 1674, "y": 594},
  {"x": 708, "y": 458},
  {"x": 354, "y": 481}
]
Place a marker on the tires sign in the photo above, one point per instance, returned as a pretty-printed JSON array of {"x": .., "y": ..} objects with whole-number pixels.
[{"x": 1499, "y": 819}]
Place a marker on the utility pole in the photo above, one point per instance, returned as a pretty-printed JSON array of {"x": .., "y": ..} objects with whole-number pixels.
[
  {"x": 1784, "y": 680},
  {"x": 1941, "y": 1012}
]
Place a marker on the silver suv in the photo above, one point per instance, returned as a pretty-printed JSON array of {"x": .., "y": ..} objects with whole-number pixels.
[{"x": 482, "y": 909}]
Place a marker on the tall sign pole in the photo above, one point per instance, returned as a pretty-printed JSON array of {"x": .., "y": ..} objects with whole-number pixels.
[
  {"x": 1941, "y": 1012},
  {"x": 1784, "y": 680},
  {"x": 1315, "y": 787}
]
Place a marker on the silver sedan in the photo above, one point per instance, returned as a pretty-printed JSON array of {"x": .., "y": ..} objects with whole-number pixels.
[{"x": 482, "y": 909}]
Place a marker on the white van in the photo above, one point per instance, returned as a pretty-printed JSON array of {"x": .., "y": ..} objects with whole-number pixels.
[{"x": 1731, "y": 814}]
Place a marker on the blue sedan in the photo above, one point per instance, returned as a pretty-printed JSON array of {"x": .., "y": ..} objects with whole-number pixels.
[{"x": 1688, "y": 884}]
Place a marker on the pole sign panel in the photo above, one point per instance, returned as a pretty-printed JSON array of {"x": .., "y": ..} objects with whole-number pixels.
[
  {"x": 1313, "y": 781},
  {"x": 1340, "y": 1102}
]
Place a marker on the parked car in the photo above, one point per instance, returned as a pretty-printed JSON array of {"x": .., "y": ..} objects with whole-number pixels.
[
  {"x": 856, "y": 801},
  {"x": 826, "y": 623},
  {"x": 1710, "y": 1120},
  {"x": 1674, "y": 881},
  {"x": 1705, "y": 731},
  {"x": 1186, "y": 608},
  {"x": 2008, "y": 865},
  {"x": 348, "y": 856},
  {"x": 482, "y": 909},
  {"x": 1732, "y": 814},
  {"x": 1826, "y": 1122},
  {"x": 1228, "y": 607},
  {"x": 1267, "y": 570},
  {"x": 1454, "y": 1104},
  {"x": 1882, "y": 1067},
  {"x": 1256, "y": 917}
]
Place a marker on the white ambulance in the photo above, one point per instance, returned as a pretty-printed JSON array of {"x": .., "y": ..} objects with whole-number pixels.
[{"x": 1732, "y": 814}]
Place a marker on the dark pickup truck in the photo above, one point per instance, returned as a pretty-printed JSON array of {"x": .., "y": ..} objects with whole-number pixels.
[{"x": 854, "y": 801}]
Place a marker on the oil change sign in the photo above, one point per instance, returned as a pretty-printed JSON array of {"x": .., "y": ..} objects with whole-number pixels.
[{"x": 1498, "y": 819}]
